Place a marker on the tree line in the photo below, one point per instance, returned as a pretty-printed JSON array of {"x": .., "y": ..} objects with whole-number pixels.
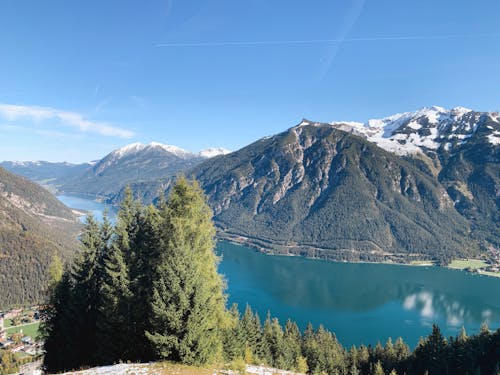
[
  {"x": 147, "y": 288},
  {"x": 317, "y": 351}
]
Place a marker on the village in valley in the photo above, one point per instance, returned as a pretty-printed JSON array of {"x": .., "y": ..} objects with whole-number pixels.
[
  {"x": 19, "y": 333},
  {"x": 489, "y": 265}
]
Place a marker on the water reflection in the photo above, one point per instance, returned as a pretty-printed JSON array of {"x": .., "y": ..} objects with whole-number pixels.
[
  {"x": 431, "y": 308},
  {"x": 378, "y": 298}
]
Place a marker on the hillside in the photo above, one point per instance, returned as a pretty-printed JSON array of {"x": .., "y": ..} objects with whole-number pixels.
[
  {"x": 315, "y": 186},
  {"x": 460, "y": 146},
  {"x": 34, "y": 226}
]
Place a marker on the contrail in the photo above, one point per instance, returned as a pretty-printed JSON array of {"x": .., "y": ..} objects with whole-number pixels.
[{"x": 322, "y": 41}]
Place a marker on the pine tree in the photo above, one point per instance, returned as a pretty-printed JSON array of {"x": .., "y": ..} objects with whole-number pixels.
[
  {"x": 58, "y": 327},
  {"x": 188, "y": 304},
  {"x": 86, "y": 275},
  {"x": 113, "y": 326},
  {"x": 291, "y": 345},
  {"x": 277, "y": 344},
  {"x": 266, "y": 340},
  {"x": 233, "y": 336},
  {"x": 252, "y": 331},
  {"x": 431, "y": 353},
  {"x": 148, "y": 246},
  {"x": 310, "y": 349},
  {"x": 378, "y": 369}
]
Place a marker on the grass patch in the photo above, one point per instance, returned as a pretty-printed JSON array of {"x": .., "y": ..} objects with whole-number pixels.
[
  {"x": 469, "y": 263},
  {"x": 7, "y": 323},
  {"x": 28, "y": 329}
]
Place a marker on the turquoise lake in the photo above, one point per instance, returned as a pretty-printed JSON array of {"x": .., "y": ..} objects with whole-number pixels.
[{"x": 360, "y": 302}]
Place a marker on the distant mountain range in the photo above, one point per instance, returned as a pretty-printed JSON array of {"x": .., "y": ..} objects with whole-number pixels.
[
  {"x": 423, "y": 184},
  {"x": 34, "y": 226},
  {"x": 106, "y": 177}
]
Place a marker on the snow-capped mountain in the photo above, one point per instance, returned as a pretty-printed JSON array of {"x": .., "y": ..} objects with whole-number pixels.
[
  {"x": 430, "y": 128},
  {"x": 140, "y": 147},
  {"x": 136, "y": 162},
  {"x": 177, "y": 151},
  {"x": 130, "y": 164}
]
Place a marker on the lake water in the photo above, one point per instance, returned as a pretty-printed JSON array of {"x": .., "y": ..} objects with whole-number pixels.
[
  {"x": 361, "y": 303},
  {"x": 85, "y": 204}
]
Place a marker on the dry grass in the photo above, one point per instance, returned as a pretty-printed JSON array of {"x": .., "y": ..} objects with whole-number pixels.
[{"x": 168, "y": 368}]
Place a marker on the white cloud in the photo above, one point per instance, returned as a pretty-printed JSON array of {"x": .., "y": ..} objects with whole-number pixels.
[{"x": 71, "y": 119}]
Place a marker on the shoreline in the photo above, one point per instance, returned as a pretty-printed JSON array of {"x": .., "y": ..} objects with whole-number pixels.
[
  {"x": 265, "y": 247},
  {"x": 245, "y": 241}
]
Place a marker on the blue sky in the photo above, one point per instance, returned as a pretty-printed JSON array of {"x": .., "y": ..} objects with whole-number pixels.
[{"x": 80, "y": 78}]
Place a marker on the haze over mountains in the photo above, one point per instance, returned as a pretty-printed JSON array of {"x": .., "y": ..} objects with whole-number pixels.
[{"x": 416, "y": 184}]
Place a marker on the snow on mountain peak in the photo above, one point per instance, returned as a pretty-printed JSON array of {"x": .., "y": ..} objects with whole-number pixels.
[
  {"x": 177, "y": 151},
  {"x": 138, "y": 147},
  {"x": 128, "y": 149},
  {"x": 213, "y": 151},
  {"x": 410, "y": 132}
]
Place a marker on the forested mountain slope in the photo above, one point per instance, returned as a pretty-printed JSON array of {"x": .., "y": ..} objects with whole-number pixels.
[
  {"x": 34, "y": 226},
  {"x": 315, "y": 186}
]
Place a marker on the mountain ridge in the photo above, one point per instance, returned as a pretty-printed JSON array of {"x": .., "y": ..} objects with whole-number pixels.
[{"x": 411, "y": 172}]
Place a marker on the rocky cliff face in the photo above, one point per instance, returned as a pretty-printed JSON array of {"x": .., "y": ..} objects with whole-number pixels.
[{"x": 317, "y": 186}]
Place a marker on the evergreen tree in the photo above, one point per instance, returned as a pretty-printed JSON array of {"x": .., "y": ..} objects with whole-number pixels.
[
  {"x": 86, "y": 275},
  {"x": 149, "y": 243},
  {"x": 187, "y": 304},
  {"x": 431, "y": 354},
  {"x": 252, "y": 331},
  {"x": 233, "y": 336},
  {"x": 57, "y": 327},
  {"x": 277, "y": 344},
  {"x": 113, "y": 325},
  {"x": 266, "y": 341},
  {"x": 378, "y": 369},
  {"x": 291, "y": 345}
]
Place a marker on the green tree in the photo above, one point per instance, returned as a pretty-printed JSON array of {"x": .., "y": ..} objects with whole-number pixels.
[
  {"x": 233, "y": 336},
  {"x": 113, "y": 324},
  {"x": 431, "y": 354},
  {"x": 378, "y": 369},
  {"x": 291, "y": 345},
  {"x": 188, "y": 303},
  {"x": 252, "y": 331},
  {"x": 265, "y": 350},
  {"x": 86, "y": 292},
  {"x": 149, "y": 243},
  {"x": 56, "y": 270},
  {"x": 59, "y": 319}
]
